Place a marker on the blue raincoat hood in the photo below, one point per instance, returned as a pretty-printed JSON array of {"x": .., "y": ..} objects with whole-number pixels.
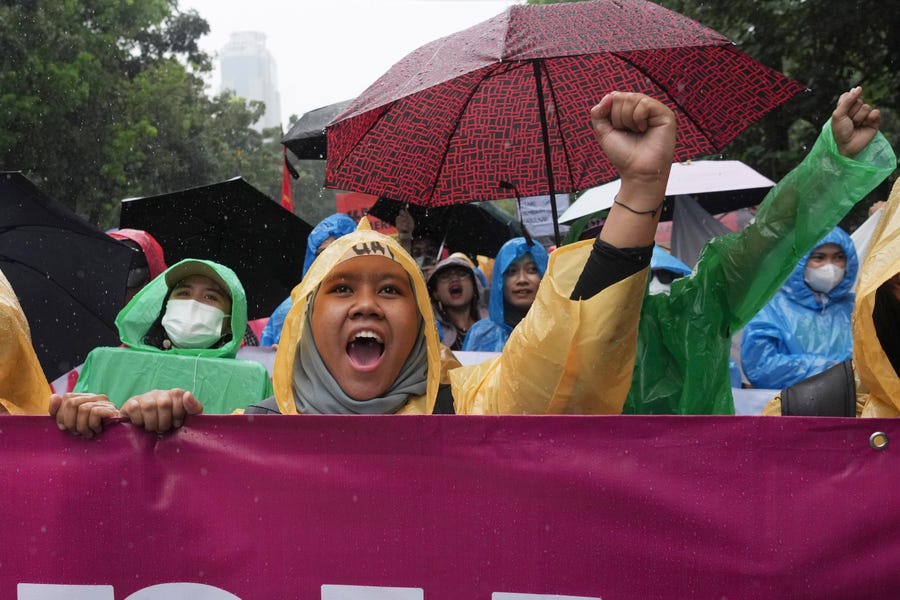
[
  {"x": 796, "y": 336},
  {"x": 334, "y": 226},
  {"x": 490, "y": 335},
  {"x": 796, "y": 288},
  {"x": 665, "y": 261}
]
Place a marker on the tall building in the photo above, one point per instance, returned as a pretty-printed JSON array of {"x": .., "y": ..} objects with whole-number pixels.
[{"x": 248, "y": 70}]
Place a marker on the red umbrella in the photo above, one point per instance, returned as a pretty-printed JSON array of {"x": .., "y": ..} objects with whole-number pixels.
[{"x": 509, "y": 99}]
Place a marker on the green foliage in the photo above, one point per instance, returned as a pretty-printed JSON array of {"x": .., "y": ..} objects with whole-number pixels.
[
  {"x": 827, "y": 47},
  {"x": 103, "y": 99}
]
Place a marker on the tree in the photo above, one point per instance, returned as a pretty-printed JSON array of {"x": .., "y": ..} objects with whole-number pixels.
[
  {"x": 102, "y": 99},
  {"x": 827, "y": 52}
]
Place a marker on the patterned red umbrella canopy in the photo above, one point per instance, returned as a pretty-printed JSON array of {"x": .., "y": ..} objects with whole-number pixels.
[{"x": 509, "y": 100}]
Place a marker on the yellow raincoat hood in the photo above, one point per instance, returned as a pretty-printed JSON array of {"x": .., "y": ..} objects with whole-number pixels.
[
  {"x": 294, "y": 323},
  {"x": 23, "y": 387},
  {"x": 872, "y": 365}
]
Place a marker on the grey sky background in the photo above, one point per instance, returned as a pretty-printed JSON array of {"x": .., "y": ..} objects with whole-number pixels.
[{"x": 331, "y": 50}]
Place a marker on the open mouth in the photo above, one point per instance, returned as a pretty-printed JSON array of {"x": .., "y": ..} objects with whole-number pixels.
[
  {"x": 365, "y": 349},
  {"x": 455, "y": 289}
]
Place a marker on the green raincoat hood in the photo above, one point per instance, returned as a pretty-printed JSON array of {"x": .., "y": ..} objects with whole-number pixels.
[{"x": 148, "y": 305}]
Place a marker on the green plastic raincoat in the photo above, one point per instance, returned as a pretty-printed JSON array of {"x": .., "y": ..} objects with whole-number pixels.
[
  {"x": 684, "y": 339},
  {"x": 219, "y": 380}
]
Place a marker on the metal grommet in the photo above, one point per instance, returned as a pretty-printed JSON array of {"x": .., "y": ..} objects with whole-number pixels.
[{"x": 878, "y": 440}]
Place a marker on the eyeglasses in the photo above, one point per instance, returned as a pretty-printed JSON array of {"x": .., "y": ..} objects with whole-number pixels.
[
  {"x": 665, "y": 276},
  {"x": 448, "y": 274}
]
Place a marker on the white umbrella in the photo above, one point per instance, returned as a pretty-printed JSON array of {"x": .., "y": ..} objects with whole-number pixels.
[{"x": 693, "y": 177}]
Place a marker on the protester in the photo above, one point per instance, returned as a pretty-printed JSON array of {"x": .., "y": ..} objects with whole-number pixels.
[
  {"x": 329, "y": 229},
  {"x": 876, "y": 319},
  {"x": 518, "y": 268},
  {"x": 684, "y": 342},
  {"x": 182, "y": 330},
  {"x": 424, "y": 249},
  {"x": 805, "y": 329},
  {"x": 455, "y": 297},
  {"x": 23, "y": 386},
  {"x": 361, "y": 338},
  {"x": 876, "y": 328},
  {"x": 664, "y": 269},
  {"x": 148, "y": 262}
]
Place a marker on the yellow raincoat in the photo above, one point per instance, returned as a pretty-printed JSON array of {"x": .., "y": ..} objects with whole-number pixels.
[
  {"x": 878, "y": 384},
  {"x": 23, "y": 387},
  {"x": 565, "y": 357}
]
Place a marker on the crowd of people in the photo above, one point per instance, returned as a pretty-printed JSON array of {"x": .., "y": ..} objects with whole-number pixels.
[{"x": 605, "y": 326}]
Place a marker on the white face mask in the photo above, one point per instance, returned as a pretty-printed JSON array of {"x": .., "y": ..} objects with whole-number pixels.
[
  {"x": 823, "y": 279},
  {"x": 192, "y": 324},
  {"x": 658, "y": 287}
]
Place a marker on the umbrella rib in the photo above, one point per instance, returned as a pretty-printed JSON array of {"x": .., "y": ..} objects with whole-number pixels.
[
  {"x": 456, "y": 121},
  {"x": 659, "y": 85},
  {"x": 559, "y": 127},
  {"x": 88, "y": 309}
]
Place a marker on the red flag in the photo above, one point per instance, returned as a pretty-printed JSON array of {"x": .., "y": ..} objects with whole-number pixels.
[{"x": 287, "y": 190}]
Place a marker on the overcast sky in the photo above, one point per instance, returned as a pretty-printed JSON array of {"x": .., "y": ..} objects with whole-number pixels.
[{"x": 331, "y": 50}]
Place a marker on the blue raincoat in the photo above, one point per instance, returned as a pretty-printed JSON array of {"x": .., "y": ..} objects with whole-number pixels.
[
  {"x": 490, "y": 334},
  {"x": 800, "y": 333},
  {"x": 334, "y": 226},
  {"x": 662, "y": 260}
]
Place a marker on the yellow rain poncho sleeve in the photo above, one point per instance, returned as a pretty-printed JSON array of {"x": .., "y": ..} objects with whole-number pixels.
[
  {"x": 566, "y": 356},
  {"x": 684, "y": 340},
  {"x": 876, "y": 375},
  {"x": 23, "y": 387}
]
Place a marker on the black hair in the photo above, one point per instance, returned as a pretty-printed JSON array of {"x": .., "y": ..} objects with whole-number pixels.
[{"x": 886, "y": 319}]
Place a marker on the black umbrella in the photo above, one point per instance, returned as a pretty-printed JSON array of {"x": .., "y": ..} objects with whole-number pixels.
[
  {"x": 474, "y": 228},
  {"x": 306, "y": 138},
  {"x": 234, "y": 224},
  {"x": 69, "y": 276}
]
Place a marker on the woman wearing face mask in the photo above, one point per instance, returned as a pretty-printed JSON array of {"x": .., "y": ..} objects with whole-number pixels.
[
  {"x": 806, "y": 327},
  {"x": 182, "y": 330}
]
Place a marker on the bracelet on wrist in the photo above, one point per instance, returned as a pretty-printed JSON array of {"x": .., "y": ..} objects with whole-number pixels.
[{"x": 652, "y": 212}]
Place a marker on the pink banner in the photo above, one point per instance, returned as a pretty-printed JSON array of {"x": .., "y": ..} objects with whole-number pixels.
[{"x": 449, "y": 508}]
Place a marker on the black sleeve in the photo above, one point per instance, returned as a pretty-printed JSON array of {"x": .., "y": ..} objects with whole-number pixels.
[
  {"x": 607, "y": 265},
  {"x": 443, "y": 404},
  {"x": 266, "y": 407}
]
